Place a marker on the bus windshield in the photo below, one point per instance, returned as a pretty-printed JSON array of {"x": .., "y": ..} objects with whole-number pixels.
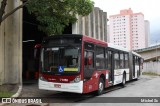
[{"x": 61, "y": 60}]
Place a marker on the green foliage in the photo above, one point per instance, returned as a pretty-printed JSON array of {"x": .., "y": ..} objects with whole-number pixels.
[
  {"x": 5, "y": 94},
  {"x": 150, "y": 73},
  {"x": 55, "y": 15}
]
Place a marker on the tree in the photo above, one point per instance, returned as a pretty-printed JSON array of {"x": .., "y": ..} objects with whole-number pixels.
[
  {"x": 3, "y": 6},
  {"x": 53, "y": 15},
  {"x": 2, "y": 9}
]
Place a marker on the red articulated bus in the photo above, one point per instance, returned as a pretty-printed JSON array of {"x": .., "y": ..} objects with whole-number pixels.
[{"x": 81, "y": 64}]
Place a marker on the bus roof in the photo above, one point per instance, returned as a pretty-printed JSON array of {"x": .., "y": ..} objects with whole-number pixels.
[
  {"x": 63, "y": 35},
  {"x": 93, "y": 40},
  {"x": 84, "y": 38},
  {"x": 117, "y": 47}
]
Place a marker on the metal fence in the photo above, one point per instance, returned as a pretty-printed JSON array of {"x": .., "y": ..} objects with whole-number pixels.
[{"x": 151, "y": 67}]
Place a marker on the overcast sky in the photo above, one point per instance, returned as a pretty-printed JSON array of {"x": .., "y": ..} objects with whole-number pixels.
[{"x": 150, "y": 9}]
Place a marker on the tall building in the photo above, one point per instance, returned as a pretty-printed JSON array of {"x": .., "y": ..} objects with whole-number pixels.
[
  {"x": 127, "y": 29},
  {"x": 147, "y": 32},
  {"x": 108, "y": 36},
  {"x": 93, "y": 25}
]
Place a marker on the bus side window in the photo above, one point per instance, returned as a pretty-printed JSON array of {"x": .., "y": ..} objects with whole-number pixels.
[
  {"x": 106, "y": 59},
  {"x": 116, "y": 60},
  {"x": 109, "y": 59},
  {"x": 121, "y": 60},
  {"x": 126, "y": 61},
  {"x": 89, "y": 59},
  {"x": 85, "y": 58},
  {"x": 100, "y": 59}
]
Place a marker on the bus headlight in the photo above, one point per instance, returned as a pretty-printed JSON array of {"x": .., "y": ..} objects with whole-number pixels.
[
  {"x": 42, "y": 78},
  {"x": 77, "y": 79}
]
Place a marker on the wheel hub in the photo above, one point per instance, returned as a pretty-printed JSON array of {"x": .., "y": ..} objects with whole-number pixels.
[{"x": 100, "y": 86}]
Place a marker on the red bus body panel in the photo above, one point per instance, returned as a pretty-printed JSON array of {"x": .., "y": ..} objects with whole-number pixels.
[
  {"x": 92, "y": 84},
  {"x": 94, "y": 41}
]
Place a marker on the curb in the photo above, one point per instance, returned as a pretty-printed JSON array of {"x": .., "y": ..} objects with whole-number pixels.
[
  {"x": 14, "y": 96},
  {"x": 18, "y": 92}
]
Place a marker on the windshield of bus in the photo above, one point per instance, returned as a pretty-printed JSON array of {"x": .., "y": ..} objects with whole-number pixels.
[{"x": 61, "y": 60}]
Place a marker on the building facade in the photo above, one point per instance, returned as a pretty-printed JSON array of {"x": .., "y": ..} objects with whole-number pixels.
[
  {"x": 93, "y": 25},
  {"x": 147, "y": 33},
  {"x": 108, "y": 34},
  {"x": 127, "y": 29}
]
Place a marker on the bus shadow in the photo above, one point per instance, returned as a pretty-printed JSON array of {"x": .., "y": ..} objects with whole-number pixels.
[{"x": 64, "y": 97}]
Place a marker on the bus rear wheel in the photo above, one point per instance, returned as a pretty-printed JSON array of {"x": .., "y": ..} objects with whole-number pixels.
[
  {"x": 100, "y": 87},
  {"x": 123, "y": 80}
]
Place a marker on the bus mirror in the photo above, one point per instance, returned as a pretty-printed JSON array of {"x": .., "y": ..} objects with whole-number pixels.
[
  {"x": 37, "y": 51},
  {"x": 89, "y": 61}
]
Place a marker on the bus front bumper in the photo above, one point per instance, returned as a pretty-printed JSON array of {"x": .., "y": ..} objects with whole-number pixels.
[{"x": 64, "y": 87}]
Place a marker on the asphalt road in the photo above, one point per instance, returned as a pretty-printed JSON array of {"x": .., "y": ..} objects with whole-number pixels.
[{"x": 146, "y": 86}]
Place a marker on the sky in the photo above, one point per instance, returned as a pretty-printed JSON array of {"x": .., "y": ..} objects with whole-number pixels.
[{"x": 150, "y": 9}]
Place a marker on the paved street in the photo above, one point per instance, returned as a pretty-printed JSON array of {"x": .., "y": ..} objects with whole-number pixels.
[{"x": 146, "y": 86}]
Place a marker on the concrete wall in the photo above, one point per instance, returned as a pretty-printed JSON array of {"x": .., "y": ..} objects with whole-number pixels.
[
  {"x": 93, "y": 25},
  {"x": 150, "y": 53},
  {"x": 11, "y": 45},
  {"x": 151, "y": 67}
]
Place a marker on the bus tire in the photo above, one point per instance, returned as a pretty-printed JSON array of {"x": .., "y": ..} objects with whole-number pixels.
[
  {"x": 137, "y": 75},
  {"x": 100, "y": 87},
  {"x": 123, "y": 79}
]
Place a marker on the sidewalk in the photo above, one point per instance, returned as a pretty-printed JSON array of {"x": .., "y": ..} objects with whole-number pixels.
[{"x": 9, "y": 90}]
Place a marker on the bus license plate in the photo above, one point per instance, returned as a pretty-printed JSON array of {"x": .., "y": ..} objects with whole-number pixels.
[{"x": 57, "y": 85}]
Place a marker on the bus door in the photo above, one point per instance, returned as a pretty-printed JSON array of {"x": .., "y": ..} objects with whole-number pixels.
[
  {"x": 138, "y": 67},
  {"x": 88, "y": 60},
  {"x": 110, "y": 66},
  {"x": 134, "y": 61}
]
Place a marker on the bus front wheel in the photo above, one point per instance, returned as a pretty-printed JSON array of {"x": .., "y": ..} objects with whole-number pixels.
[{"x": 100, "y": 87}]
